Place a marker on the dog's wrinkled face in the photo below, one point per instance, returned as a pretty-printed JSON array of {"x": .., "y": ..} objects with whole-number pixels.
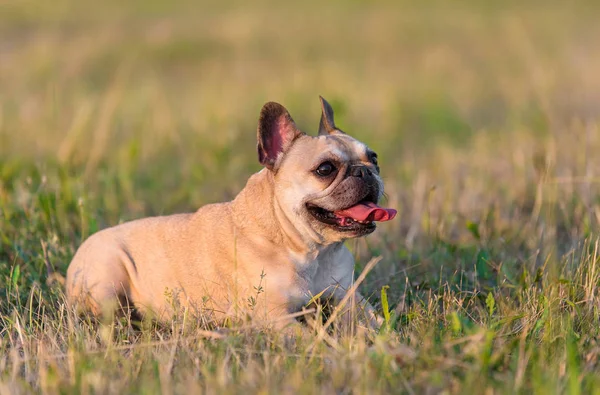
[
  {"x": 329, "y": 185},
  {"x": 326, "y": 175}
]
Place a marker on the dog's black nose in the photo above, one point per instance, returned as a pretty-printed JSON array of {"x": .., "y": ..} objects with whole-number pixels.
[{"x": 360, "y": 171}]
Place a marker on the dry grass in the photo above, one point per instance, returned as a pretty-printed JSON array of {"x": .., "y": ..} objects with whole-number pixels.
[{"x": 486, "y": 121}]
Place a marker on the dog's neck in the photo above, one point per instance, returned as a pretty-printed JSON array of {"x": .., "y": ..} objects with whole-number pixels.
[{"x": 258, "y": 197}]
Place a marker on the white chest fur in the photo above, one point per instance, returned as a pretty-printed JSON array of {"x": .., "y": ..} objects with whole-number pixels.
[{"x": 329, "y": 272}]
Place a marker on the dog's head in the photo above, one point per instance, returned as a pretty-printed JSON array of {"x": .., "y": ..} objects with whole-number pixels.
[{"x": 328, "y": 185}]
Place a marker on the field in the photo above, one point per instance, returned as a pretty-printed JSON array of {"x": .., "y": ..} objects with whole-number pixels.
[{"x": 485, "y": 118}]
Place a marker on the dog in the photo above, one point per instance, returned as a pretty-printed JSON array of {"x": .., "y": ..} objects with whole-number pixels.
[{"x": 265, "y": 254}]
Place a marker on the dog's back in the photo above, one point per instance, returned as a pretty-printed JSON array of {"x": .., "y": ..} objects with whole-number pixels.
[{"x": 140, "y": 262}]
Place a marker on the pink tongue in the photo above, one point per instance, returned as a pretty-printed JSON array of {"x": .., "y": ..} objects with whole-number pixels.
[{"x": 367, "y": 212}]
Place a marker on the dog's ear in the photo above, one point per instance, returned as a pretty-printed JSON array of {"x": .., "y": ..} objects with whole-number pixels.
[
  {"x": 276, "y": 133},
  {"x": 327, "y": 125}
]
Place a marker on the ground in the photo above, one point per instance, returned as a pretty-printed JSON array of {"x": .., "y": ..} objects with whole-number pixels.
[{"x": 485, "y": 119}]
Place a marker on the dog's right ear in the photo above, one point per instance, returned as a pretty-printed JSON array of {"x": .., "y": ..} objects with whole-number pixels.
[
  {"x": 276, "y": 133},
  {"x": 327, "y": 124}
]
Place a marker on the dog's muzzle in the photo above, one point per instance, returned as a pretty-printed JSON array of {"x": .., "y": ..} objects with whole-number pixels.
[
  {"x": 364, "y": 175},
  {"x": 360, "y": 171}
]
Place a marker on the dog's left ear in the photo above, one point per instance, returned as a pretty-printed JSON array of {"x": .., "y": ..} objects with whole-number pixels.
[
  {"x": 276, "y": 133},
  {"x": 327, "y": 125}
]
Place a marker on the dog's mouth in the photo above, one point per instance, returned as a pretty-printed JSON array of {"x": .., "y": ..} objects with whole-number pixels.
[{"x": 359, "y": 218}]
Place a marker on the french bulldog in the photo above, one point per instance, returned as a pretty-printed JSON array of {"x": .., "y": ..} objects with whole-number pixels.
[{"x": 264, "y": 254}]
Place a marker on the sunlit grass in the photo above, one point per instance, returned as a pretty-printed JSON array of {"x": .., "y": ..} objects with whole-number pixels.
[{"x": 485, "y": 118}]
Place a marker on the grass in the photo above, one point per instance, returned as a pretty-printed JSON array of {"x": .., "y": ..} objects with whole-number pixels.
[{"x": 486, "y": 123}]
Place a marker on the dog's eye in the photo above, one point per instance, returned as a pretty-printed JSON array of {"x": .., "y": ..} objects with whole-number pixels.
[
  {"x": 374, "y": 159},
  {"x": 325, "y": 169}
]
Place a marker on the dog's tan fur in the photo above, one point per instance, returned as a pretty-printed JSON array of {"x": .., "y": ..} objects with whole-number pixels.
[{"x": 260, "y": 254}]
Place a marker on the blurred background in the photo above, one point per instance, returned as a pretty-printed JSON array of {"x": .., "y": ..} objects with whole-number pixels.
[
  {"x": 485, "y": 118},
  {"x": 484, "y": 115}
]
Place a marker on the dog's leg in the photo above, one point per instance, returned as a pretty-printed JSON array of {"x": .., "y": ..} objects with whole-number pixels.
[
  {"x": 98, "y": 281},
  {"x": 355, "y": 308},
  {"x": 362, "y": 306}
]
